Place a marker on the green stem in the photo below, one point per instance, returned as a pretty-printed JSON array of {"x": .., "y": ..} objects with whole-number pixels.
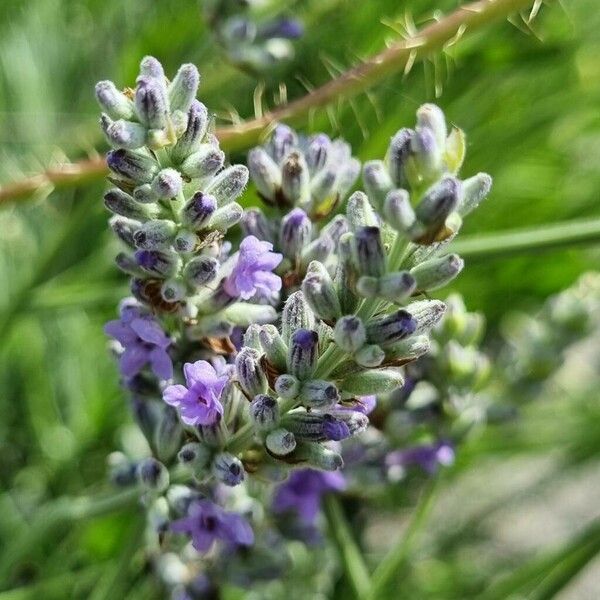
[
  {"x": 349, "y": 554},
  {"x": 389, "y": 568},
  {"x": 545, "y": 237}
]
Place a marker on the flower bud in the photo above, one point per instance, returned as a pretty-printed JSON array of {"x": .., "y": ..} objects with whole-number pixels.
[
  {"x": 319, "y": 249},
  {"x": 199, "y": 209},
  {"x": 396, "y": 287},
  {"x": 228, "y": 469},
  {"x": 273, "y": 345},
  {"x": 157, "y": 262},
  {"x": 295, "y": 178},
  {"x": 265, "y": 173},
  {"x": 251, "y": 337},
  {"x": 151, "y": 67},
  {"x": 398, "y": 157},
  {"x": 255, "y": 223},
  {"x": 336, "y": 227},
  {"x": 318, "y": 394},
  {"x": 155, "y": 235},
  {"x": 185, "y": 241},
  {"x": 427, "y": 154},
  {"x": 167, "y": 184},
  {"x": 150, "y": 103},
  {"x": 377, "y": 181},
  {"x": 184, "y": 87},
  {"x": 372, "y": 382},
  {"x": 153, "y": 475},
  {"x": 369, "y": 356},
  {"x": 122, "y": 471},
  {"x": 167, "y": 439},
  {"x": 427, "y": 314},
  {"x": 295, "y": 233},
  {"x": 243, "y": 314},
  {"x": 250, "y": 374},
  {"x": 320, "y": 292},
  {"x": 350, "y": 333},
  {"x": 228, "y": 184},
  {"x": 317, "y": 152},
  {"x": 280, "y": 442},
  {"x": 475, "y": 190},
  {"x": 204, "y": 162},
  {"x": 264, "y": 412},
  {"x": 316, "y": 456},
  {"x": 132, "y": 166},
  {"x": 201, "y": 270},
  {"x": 124, "y": 229},
  {"x": 123, "y": 204},
  {"x": 306, "y": 426},
  {"x": 287, "y": 386},
  {"x": 360, "y": 213},
  {"x": 409, "y": 349},
  {"x": 226, "y": 217},
  {"x": 323, "y": 185},
  {"x": 113, "y": 102},
  {"x": 437, "y": 272},
  {"x": 439, "y": 201},
  {"x": 144, "y": 194},
  {"x": 370, "y": 252},
  {"x": 282, "y": 141},
  {"x": 398, "y": 212},
  {"x": 296, "y": 315},
  {"x": 432, "y": 117},
  {"x": 173, "y": 290},
  {"x": 197, "y": 125},
  {"x": 347, "y": 273},
  {"x": 390, "y": 328},
  {"x": 303, "y": 353},
  {"x": 125, "y": 134}
]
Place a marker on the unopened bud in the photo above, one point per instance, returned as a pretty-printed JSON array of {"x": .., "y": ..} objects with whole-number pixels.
[
  {"x": 273, "y": 345},
  {"x": 255, "y": 223},
  {"x": 228, "y": 184},
  {"x": 437, "y": 272},
  {"x": 350, "y": 333},
  {"x": 303, "y": 353},
  {"x": 125, "y": 134},
  {"x": 123, "y": 204},
  {"x": 319, "y": 394},
  {"x": 374, "y": 381},
  {"x": 280, "y": 442},
  {"x": 184, "y": 87},
  {"x": 168, "y": 434},
  {"x": 439, "y": 201},
  {"x": 475, "y": 190},
  {"x": 155, "y": 235},
  {"x": 295, "y": 233},
  {"x": 151, "y": 103},
  {"x": 204, "y": 162},
  {"x": 317, "y": 456},
  {"x": 264, "y": 412},
  {"x": 265, "y": 173},
  {"x": 360, "y": 213},
  {"x": 190, "y": 140},
  {"x": 167, "y": 184},
  {"x": 427, "y": 314},
  {"x": 370, "y": 252},
  {"x": 153, "y": 475},
  {"x": 377, "y": 180},
  {"x": 199, "y": 209},
  {"x": 370, "y": 355},
  {"x": 287, "y": 386},
  {"x": 295, "y": 178},
  {"x": 398, "y": 211},
  {"x": 296, "y": 315},
  {"x": 113, "y": 102},
  {"x": 226, "y": 217},
  {"x": 250, "y": 374},
  {"x": 201, "y": 270},
  {"x": 396, "y": 287},
  {"x": 158, "y": 262},
  {"x": 398, "y": 157},
  {"x": 320, "y": 293},
  {"x": 228, "y": 469}
]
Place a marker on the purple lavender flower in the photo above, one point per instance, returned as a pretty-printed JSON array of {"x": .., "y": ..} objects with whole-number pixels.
[
  {"x": 427, "y": 456},
  {"x": 364, "y": 404},
  {"x": 143, "y": 340},
  {"x": 199, "y": 402},
  {"x": 303, "y": 490},
  {"x": 252, "y": 273},
  {"x": 207, "y": 522}
]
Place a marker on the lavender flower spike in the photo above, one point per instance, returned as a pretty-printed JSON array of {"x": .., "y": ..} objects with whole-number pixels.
[
  {"x": 253, "y": 271},
  {"x": 206, "y": 523},
  {"x": 143, "y": 340},
  {"x": 199, "y": 402}
]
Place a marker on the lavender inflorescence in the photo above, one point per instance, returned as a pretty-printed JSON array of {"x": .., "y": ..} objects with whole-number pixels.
[{"x": 246, "y": 362}]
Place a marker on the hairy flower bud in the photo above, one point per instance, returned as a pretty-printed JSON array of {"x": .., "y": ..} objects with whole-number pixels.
[
  {"x": 360, "y": 213},
  {"x": 226, "y": 217},
  {"x": 151, "y": 103},
  {"x": 228, "y": 184},
  {"x": 390, "y": 328},
  {"x": 280, "y": 442},
  {"x": 190, "y": 140},
  {"x": 201, "y": 270},
  {"x": 398, "y": 157},
  {"x": 125, "y": 134},
  {"x": 273, "y": 345},
  {"x": 432, "y": 117},
  {"x": 124, "y": 205},
  {"x": 158, "y": 262},
  {"x": 475, "y": 190},
  {"x": 378, "y": 182},
  {"x": 374, "y": 381},
  {"x": 350, "y": 333},
  {"x": 167, "y": 184},
  {"x": 287, "y": 386},
  {"x": 320, "y": 293},
  {"x": 427, "y": 154},
  {"x": 167, "y": 439},
  {"x": 264, "y": 412},
  {"x": 124, "y": 229},
  {"x": 250, "y": 374},
  {"x": 296, "y": 315},
  {"x": 316, "y": 456},
  {"x": 318, "y": 394},
  {"x": 228, "y": 469},
  {"x": 370, "y": 252},
  {"x": 204, "y": 162},
  {"x": 295, "y": 233},
  {"x": 398, "y": 211},
  {"x": 153, "y": 475},
  {"x": 132, "y": 166},
  {"x": 295, "y": 178},
  {"x": 437, "y": 272},
  {"x": 439, "y": 201},
  {"x": 303, "y": 353},
  {"x": 370, "y": 355},
  {"x": 113, "y": 102},
  {"x": 255, "y": 223},
  {"x": 184, "y": 87},
  {"x": 427, "y": 313},
  {"x": 155, "y": 235},
  {"x": 265, "y": 173},
  {"x": 396, "y": 287}
]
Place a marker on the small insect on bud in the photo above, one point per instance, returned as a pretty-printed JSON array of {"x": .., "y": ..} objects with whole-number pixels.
[
  {"x": 437, "y": 272},
  {"x": 250, "y": 374},
  {"x": 167, "y": 439},
  {"x": 273, "y": 345},
  {"x": 264, "y": 412},
  {"x": 184, "y": 87},
  {"x": 198, "y": 210},
  {"x": 167, "y": 184},
  {"x": 282, "y": 141},
  {"x": 150, "y": 103},
  {"x": 255, "y": 223},
  {"x": 396, "y": 287},
  {"x": 228, "y": 469},
  {"x": 319, "y": 394},
  {"x": 432, "y": 117},
  {"x": 317, "y": 152},
  {"x": 295, "y": 233},
  {"x": 303, "y": 353},
  {"x": 125, "y": 134},
  {"x": 201, "y": 270},
  {"x": 113, "y": 102},
  {"x": 158, "y": 262},
  {"x": 153, "y": 475},
  {"x": 427, "y": 314},
  {"x": 391, "y": 328},
  {"x": 265, "y": 173},
  {"x": 228, "y": 184},
  {"x": 370, "y": 252},
  {"x": 280, "y": 442},
  {"x": 287, "y": 386},
  {"x": 369, "y": 356},
  {"x": 399, "y": 156},
  {"x": 439, "y": 201},
  {"x": 398, "y": 212},
  {"x": 295, "y": 178},
  {"x": 372, "y": 382},
  {"x": 204, "y": 162},
  {"x": 226, "y": 217},
  {"x": 350, "y": 333},
  {"x": 377, "y": 180},
  {"x": 155, "y": 235},
  {"x": 124, "y": 229},
  {"x": 296, "y": 315},
  {"x": 360, "y": 213},
  {"x": 475, "y": 190},
  {"x": 317, "y": 456},
  {"x": 132, "y": 166},
  {"x": 124, "y": 205},
  {"x": 320, "y": 292}
]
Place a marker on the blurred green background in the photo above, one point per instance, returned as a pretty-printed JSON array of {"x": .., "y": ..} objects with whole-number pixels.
[{"x": 528, "y": 98}]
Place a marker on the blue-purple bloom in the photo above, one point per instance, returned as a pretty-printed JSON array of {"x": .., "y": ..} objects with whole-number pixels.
[
  {"x": 253, "y": 271},
  {"x": 207, "y": 523},
  {"x": 303, "y": 490},
  {"x": 427, "y": 456},
  {"x": 143, "y": 340},
  {"x": 199, "y": 402}
]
